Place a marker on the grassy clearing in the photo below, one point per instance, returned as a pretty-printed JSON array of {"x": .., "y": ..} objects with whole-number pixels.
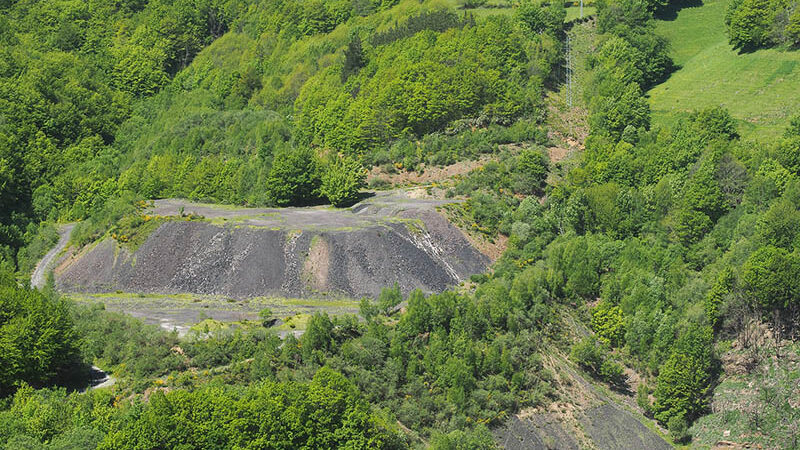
[
  {"x": 208, "y": 312},
  {"x": 491, "y": 7},
  {"x": 761, "y": 89},
  {"x": 505, "y": 8},
  {"x": 238, "y": 219},
  {"x": 299, "y": 321},
  {"x": 257, "y": 303},
  {"x": 574, "y": 12},
  {"x": 571, "y": 122}
]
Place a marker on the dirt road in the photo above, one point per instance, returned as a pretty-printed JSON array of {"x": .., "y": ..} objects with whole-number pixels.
[
  {"x": 379, "y": 208},
  {"x": 39, "y": 276}
]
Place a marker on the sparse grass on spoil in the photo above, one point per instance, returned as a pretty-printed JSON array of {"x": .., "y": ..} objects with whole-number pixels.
[
  {"x": 204, "y": 313},
  {"x": 760, "y": 89},
  {"x": 487, "y": 8},
  {"x": 296, "y": 322},
  {"x": 561, "y": 119}
]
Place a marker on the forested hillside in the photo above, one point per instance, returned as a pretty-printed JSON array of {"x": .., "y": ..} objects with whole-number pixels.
[
  {"x": 157, "y": 99},
  {"x": 662, "y": 260}
]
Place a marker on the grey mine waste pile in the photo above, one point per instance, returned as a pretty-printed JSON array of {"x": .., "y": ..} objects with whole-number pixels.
[{"x": 291, "y": 252}]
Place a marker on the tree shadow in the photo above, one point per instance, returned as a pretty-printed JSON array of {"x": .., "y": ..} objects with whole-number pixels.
[
  {"x": 358, "y": 199},
  {"x": 670, "y": 11},
  {"x": 78, "y": 377},
  {"x": 621, "y": 386},
  {"x": 749, "y": 48}
]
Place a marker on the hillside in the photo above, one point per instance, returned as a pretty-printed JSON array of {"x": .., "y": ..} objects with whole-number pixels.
[
  {"x": 643, "y": 289},
  {"x": 759, "y": 88}
]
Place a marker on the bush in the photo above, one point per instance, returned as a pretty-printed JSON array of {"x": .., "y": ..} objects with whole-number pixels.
[
  {"x": 593, "y": 358},
  {"x": 643, "y": 399},
  {"x": 715, "y": 122},
  {"x": 342, "y": 180},
  {"x": 608, "y": 323},
  {"x": 612, "y": 372},
  {"x": 266, "y": 317},
  {"x": 530, "y": 172},
  {"x": 472, "y": 4},
  {"x": 678, "y": 429},
  {"x": 294, "y": 178},
  {"x": 588, "y": 355}
]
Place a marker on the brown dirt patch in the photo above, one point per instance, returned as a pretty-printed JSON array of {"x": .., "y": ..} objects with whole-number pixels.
[
  {"x": 566, "y": 146},
  {"x": 317, "y": 265},
  {"x": 492, "y": 249},
  {"x": 428, "y": 174}
]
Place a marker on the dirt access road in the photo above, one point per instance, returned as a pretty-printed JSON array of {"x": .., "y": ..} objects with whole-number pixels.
[
  {"x": 371, "y": 211},
  {"x": 39, "y": 276}
]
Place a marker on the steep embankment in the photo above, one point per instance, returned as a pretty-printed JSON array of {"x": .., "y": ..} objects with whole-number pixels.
[
  {"x": 292, "y": 252},
  {"x": 586, "y": 413}
]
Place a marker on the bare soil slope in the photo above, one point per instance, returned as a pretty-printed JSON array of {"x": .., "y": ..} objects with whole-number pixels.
[
  {"x": 585, "y": 418},
  {"x": 291, "y": 252}
]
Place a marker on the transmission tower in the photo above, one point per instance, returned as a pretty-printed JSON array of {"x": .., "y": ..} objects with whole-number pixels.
[{"x": 568, "y": 70}]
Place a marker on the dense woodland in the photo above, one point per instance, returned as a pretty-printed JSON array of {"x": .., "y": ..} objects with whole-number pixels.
[{"x": 666, "y": 240}]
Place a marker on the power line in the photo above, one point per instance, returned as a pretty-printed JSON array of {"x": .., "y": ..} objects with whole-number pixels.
[{"x": 568, "y": 82}]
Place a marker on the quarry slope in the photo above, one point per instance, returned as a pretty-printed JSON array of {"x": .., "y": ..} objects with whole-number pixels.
[
  {"x": 288, "y": 252},
  {"x": 586, "y": 416}
]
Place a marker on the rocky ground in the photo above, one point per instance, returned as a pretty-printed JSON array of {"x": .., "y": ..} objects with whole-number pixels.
[
  {"x": 290, "y": 252},
  {"x": 585, "y": 416}
]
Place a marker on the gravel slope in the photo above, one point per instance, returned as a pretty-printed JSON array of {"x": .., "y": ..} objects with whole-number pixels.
[{"x": 292, "y": 252}]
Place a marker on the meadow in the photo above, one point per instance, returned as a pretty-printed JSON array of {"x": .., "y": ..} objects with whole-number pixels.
[{"x": 759, "y": 88}]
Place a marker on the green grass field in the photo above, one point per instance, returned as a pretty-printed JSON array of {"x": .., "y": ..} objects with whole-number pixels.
[
  {"x": 760, "y": 89},
  {"x": 574, "y": 12}
]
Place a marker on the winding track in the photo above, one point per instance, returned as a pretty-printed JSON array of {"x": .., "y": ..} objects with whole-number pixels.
[
  {"x": 39, "y": 276},
  {"x": 38, "y": 279}
]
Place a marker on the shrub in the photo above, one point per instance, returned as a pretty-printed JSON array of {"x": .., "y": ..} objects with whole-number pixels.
[
  {"x": 342, "y": 179},
  {"x": 294, "y": 178},
  {"x": 715, "y": 122},
  {"x": 608, "y": 322},
  {"x": 530, "y": 172},
  {"x": 611, "y": 372},
  {"x": 643, "y": 399},
  {"x": 678, "y": 429},
  {"x": 587, "y": 355},
  {"x": 266, "y": 317},
  {"x": 472, "y": 4}
]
